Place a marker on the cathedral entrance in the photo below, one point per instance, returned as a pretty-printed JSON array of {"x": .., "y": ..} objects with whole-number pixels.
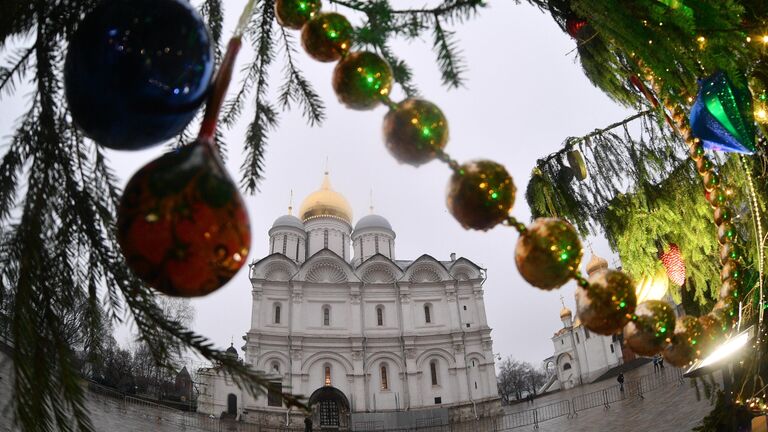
[
  {"x": 231, "y": 404},
  {"x": 330, "y": 409}
]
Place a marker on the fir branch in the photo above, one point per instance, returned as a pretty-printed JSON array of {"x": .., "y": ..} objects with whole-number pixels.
[
  {"x": 296, "y": 87},
  {"x": 213, "y": 12},
  {"x": 451, "y": 67},
  {"x": 265, "y": 117},
  {"x": 9, "y": 75}
]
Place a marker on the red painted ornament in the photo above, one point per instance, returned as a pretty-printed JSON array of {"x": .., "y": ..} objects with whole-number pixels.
[
  {"x": 182, "y": 224},
  {"x": 574, "y": 25},
  {"x": 673, "y": 262}
]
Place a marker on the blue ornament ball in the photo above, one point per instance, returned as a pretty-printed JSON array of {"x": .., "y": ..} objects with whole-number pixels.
[{"x": 137, "y": 71}]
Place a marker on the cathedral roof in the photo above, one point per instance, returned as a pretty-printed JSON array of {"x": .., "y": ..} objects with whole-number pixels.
[
  {"x": 288, "y": 221},
  {"x": 325, "y": 202},
  {"x": 596, "y": 264},
  {"x": 373, "y": 221}
]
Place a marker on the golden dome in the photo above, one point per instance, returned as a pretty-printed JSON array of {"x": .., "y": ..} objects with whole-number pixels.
[
  {"x": 325, "y": 202},
  {"x": 565, "y": 312},
  {"x": 596, "y": 264}
]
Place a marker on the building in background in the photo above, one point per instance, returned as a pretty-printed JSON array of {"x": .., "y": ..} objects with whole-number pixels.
[
  {"x": 580, "y": 356},
  {"x": 338, "y": 318}
]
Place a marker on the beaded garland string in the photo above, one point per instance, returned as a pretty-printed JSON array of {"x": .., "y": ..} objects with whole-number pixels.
[{"x": 481, "y": 192}]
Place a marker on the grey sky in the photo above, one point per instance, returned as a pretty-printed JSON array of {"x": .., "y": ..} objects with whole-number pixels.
[{"x": 525, "y": 93}]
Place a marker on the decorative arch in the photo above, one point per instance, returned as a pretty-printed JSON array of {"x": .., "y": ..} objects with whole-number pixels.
[
  {"x": 276, "y": 267},
  {"x": 478, "y": 356},
  {"x": 379, "y": 269},
  {"x": 426, "y": 269},
  {"x": 326, "y": 267},
  {"x": 435, "y": 352},
  {"x": 464, "y": 269},
  {"x": 266, "y": 359},
  {"x": 323, "y": 356},
  {"x": 378, "y": 357}
]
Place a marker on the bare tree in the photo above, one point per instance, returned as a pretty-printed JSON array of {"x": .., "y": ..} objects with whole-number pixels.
[{"x": 518, "y": 379}]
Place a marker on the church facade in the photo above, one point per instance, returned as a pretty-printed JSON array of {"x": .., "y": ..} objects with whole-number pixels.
[{"x": 337, "y": 316}]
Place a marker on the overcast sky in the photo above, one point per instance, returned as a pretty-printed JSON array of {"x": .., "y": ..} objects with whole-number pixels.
[{"x": 525, "y": 93}]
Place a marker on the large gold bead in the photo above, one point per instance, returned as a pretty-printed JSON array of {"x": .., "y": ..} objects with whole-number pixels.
[
  {"x": 414, "y": 131},
  {"x": 361, "y": 80},
  {"x": 713, "y": 330},
  {"x": 685, "y": 342},
  {"x": 327, "y": 37},
  {"x": 295, "y": 13},
  {"x": 607, "y": 304},
  {"x": 548, "y": 253},
  {"x": 480, "y": 194},
  {"x": 651, "y": 327}
]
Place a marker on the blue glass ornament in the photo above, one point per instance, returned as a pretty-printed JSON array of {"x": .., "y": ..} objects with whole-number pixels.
[
  {"x": 137, "y": 71},
  {"x": 722, "y": 117}
]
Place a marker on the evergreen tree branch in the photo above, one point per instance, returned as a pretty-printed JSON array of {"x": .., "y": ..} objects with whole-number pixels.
[
  {"x": 451, "y": 67},
  {"x": 265, "y": 117},
  {"x": 297, "y": 88}
]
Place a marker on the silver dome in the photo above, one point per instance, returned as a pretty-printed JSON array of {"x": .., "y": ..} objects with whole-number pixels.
[
  {"x": 373, "y": 221},
  {"x": 288, "y": 221}
]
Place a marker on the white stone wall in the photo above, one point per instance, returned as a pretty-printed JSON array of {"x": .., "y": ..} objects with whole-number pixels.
[
  {"x": 338, "y": 235},
  {"x": 589, "y": 357}
]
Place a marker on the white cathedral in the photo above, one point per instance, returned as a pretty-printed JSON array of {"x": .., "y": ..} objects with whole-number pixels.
[{"x": 337, "y": 318}]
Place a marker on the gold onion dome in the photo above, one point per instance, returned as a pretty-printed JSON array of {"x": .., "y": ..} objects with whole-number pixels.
[
  {"x": 596, "y": 264},
  {"x": 565, "y": 312},
  {"x": 325, "y": 202}
]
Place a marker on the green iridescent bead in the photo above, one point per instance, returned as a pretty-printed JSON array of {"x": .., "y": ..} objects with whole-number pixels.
[
  {"x": 703, "y": 165},
  {"x": 294, "y": 14},
  {"x": 697, "y": 151},
  {"x": 480, "y": 194},
  {"x": 685, "y": 342},
  {"x": 361, "y": 80},
  {"x": 711, "y": 180},
  {"x": 327, "y": 37},
  {"x": 717, "y": 198},
  {"x": 730, "y": 251},
  {"x": 414, "y": 130},
  {"x": 731, "y": 270},
  {"x": 607, "y": 303},
  {"x": 726, "y": 233},
  {"x": 548, "y": 253},
  {"x": 651, "y": 327},
  {"x": 723, "y": 214}
]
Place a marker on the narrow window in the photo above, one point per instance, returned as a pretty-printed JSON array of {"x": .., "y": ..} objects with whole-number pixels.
[
  {"x": 297, "y": 249},
  {"x": 433, "y": 371},
  {"x": 272, "y": 245},
  {"x": 577, "y": 339},
  {"x": 586, "y": 333},
  {"x": 285, "y": 243},
  {"x": 277, "y": 314},
  {"x": 473, "y": 363},
  {"x": 326, "y": 316},
  {"x": 276, "y": 367},
  {"x": 465, "y": 307},
  {"x": 612, "y": 351},
  {"x": 384, "y": 382},
  {"x": 327, "y": 375},
  {"x": 274, "y": 394},
  {"x": 475, "y": 385},
  {"x": 343, "y": 245},
  {"x": 325, "y": 238},
  {"x": 380, "y": 316},
  {"x": 467, "y": 325},
  {"x": 427, "y": 315},
  {"x": 389, "y": 242},
  {"x": 376, "y": 242}
]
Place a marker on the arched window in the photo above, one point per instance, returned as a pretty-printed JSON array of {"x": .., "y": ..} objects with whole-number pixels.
[
  {"x": 433, "y": 371},
  {"x": 566, "y": 366},
  {"x": 379, "y": 315},
  {"x": 276, "y": 367},
  {"x": 276, "y": 319},
  {"x": 384, "y": 380},
  {"x": 428, "y": 313},
  {"x": 327, "y": 376},
  {"x": 326, "y": 315},
  {"x": 612, "y": 351}
]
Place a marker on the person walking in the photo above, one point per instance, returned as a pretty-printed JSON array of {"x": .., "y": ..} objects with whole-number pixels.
[
  {"x": 655, "y": 364},
  {"x": 620, "y": 379}
]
